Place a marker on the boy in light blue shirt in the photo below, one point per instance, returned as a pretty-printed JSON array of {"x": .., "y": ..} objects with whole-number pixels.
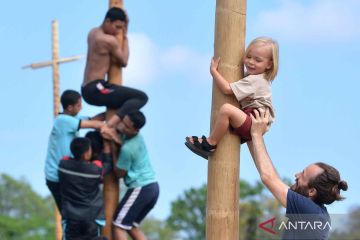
[
  {"x": 65, "y": 129},
  {"x": 134, "y": 166}
]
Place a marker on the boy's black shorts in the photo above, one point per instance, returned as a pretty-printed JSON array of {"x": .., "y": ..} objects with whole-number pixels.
[
  {"x": 135, "y": 205},
  {"x": 81, "y": 230}
]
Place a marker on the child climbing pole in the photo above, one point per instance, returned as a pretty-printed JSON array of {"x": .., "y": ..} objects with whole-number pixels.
[{"x": 252, "y": 92}]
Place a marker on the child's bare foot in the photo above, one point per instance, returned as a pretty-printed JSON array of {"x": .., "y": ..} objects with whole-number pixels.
[{"x": 200, "y": 146}]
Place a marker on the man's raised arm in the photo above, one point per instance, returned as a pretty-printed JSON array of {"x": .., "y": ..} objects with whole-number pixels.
[
  {"x": 262, "y": 160},
  {"x": 120, "y": 54}
]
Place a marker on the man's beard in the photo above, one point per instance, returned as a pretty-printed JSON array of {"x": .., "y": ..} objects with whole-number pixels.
[{"x": 302, "y": 190}]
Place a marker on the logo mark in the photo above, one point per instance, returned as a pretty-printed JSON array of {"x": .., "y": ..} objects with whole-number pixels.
[{"x": 270, "y": 222}]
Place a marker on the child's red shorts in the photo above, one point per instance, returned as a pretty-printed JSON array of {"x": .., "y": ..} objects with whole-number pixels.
[{"x": 244, "y": 130}]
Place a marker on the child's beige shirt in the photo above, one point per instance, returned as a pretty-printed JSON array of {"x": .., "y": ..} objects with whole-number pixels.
[{"x": 254, "y": 91}]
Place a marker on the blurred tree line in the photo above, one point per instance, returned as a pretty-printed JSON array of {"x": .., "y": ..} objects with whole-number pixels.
[
  {"x": 25, "y": 215},
  {"x": 188, "y": 212},
  {"x": 350, "y": 226}
]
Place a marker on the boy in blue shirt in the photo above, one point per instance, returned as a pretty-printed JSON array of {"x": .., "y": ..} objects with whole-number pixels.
[
  {"x": 134, "y": 166},
  {"x": 65, "y": 129}
]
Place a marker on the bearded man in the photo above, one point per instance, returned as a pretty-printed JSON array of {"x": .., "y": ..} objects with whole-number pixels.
[{"x": 319, "y": 184}]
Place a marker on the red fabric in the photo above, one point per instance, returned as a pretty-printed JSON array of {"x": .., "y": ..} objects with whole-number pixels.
[
  {"x": 105, "y": 91},
  {"x": 244, "y": 130},
  {"x": 66, "y": 158},
  {"x": 97, "y": 163}
]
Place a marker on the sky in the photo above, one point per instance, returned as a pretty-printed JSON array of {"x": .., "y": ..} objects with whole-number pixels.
[{"x": 315, "y": 94}]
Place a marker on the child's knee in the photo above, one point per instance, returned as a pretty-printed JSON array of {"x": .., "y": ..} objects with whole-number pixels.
[{"x": 226, "y": 109}]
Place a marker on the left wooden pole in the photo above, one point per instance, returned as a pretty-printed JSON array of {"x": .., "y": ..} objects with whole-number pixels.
[
  {"x": 56, "y": 102},
  {"x": 55, "y": 66},
  {"x": 54, "y": 63}
]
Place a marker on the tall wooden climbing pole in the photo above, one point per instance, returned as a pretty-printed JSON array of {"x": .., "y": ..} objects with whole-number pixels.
[{"x": 222, "y": 216}]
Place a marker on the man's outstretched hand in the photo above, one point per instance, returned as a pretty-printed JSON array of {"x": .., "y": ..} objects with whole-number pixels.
[{"x": 260, "y": 123}]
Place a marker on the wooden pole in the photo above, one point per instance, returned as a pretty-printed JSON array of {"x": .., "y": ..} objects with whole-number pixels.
[
  {"x": 56, "y": 103},
  {"x": 54, "y": 63},
  {"x": 55, "y": 67},
  {"x": 111, "y": 183},
  {"x": 222, "y": 216}
]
